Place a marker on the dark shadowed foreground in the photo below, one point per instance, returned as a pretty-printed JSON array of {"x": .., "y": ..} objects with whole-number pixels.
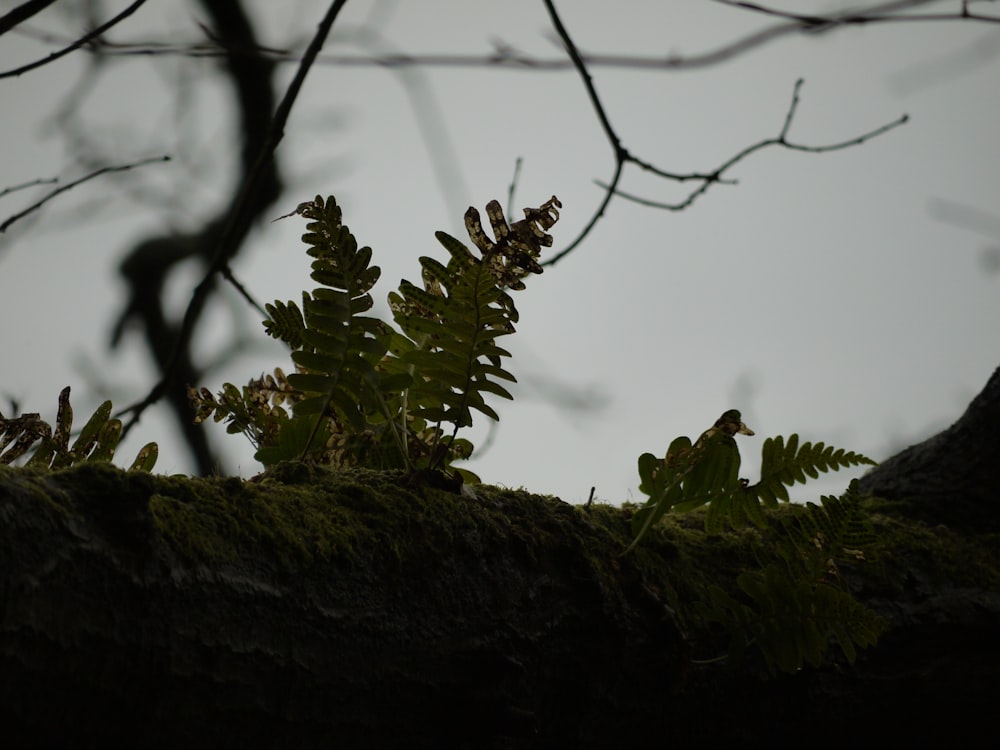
[{"x": 311, "y": 610}]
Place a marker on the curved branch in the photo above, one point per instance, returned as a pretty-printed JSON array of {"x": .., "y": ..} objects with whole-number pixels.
[
  {"x": 623, "y": 156},
  {"x": 148, "y": 265},
  {"x": 237, "y": 221},
  {"x": 780, "y": 140}
]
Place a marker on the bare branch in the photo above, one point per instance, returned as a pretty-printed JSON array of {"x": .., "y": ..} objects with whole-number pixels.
[
  {"x": 507, "y": 57},
  {"x": 30, "y": 184},
  {"x": 232, "y": 229},
  {"x": 780, "y": 140},
  {"x": 22, "y": 12},
  {"x": 104, "y": 170},
  {"x": 77, "y": 44},
  {"x": 620, "y": 153},
  {"x": 623, "y": 156},
  {"x": 887, "y": 12}
]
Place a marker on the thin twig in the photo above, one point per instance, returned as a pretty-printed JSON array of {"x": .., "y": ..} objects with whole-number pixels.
[
  {"x": 230, "y": 234},
  {"x": 30, "y": 184},
  {"x": 621, "y": 154},
  {"x": 76, "y": 44},
  {"x": 105, "y": 170},
  {"x": 513, "y": 186},
  {"x": 780, "y": 140}
]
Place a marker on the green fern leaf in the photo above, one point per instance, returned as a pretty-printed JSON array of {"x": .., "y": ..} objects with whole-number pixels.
[
  {"x": 339, "y": 346},
  {"x": 285, "y": 323},
  {"x": 97, "y": 441},
  {"x": 785, "y": 463},
  {"x": 463, "y": 307}
]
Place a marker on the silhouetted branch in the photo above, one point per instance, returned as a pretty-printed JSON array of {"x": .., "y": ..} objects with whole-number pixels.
[
  {"x": 29, "y": 184},
  {"x": 76, "y": 44},
  {"x": 507, "y": 57},
  {"x": 622, "y": 156},
  {"x": 22, "y": 12},
  {"x": 887, "y": 12},
  {"x": 780, "y": 140},
  {"x": 147, "y": 266},
  {"x": 35, "y": 206},
  {"x": 237, "y": 221}
]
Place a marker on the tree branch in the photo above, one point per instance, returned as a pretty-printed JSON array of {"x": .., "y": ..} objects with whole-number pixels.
[
  {"x": 75, "y": 45},
  {"x": 237, "y": 221},
  {"x": 622, "y": 156},
  {"x": 35, "y": 206},
  {"x": 22, "y": 12},
  {"x": 780, "y": 140}
]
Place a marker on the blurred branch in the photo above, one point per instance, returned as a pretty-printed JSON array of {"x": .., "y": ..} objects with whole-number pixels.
[
  {"x": 29, "y": 184},
  {"x": 35, "y": 206},
  {"x": 970, "y": 218},
  {"x": 237, "y": 222},
  {"x": 507, "y": 57},
  {"x": 427, "y": 111},
  {"x": 258, "y": 185},
  {"x": 92, "y": 35}
]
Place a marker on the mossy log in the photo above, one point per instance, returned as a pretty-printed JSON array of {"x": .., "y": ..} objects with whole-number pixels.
[{"x": 316, "y": 610}]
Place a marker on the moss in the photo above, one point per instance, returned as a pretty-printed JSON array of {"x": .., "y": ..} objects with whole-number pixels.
[
  {"x": 296, "y": 516},
  {"x": 944, "y": 555},
  {"x": 287, "y": 526}
]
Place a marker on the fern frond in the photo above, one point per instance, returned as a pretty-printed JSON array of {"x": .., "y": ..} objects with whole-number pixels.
[
  {"x": 255, "y": 410},
  {"x": 785, "y": 463},
  {"x": 338, "y": 346},
  {"x": 690, "y": 476},
  {"x": 462, "y": 309},
  {"x": 790, "y": 619},
  {"x": 97, "y": 441},
  {"x": 362, "y": 389},
  {"x": 285, "y": 323},
  {"x": 821, "y": 536}
]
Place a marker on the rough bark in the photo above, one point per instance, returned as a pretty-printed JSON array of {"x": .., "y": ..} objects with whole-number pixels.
[
  {"x": 312, "y": 610},
  {"x": 950, "y": 478}
]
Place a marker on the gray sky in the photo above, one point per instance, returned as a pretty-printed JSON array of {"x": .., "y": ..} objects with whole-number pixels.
[{"x": 824, "y": 294}]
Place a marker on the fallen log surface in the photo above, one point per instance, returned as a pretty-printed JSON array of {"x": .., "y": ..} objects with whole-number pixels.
[{"x": 318, "y": 610}]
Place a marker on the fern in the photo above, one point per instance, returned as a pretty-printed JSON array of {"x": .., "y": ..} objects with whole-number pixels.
[
  {"x": 791, "y": 620},
  {"x": 797, "y": 605},
  {"x": 689, "y": 476},
  {"x": 365, "y": 393},
  {"x": 783, "y": 464},
  {"x": 463, "y": 308},
  {"x": 706, "y": 473},
  {"x": 97, "y": 441},
  {"x": 796, "y": 602},
  {"x": 822, "y": 536}
]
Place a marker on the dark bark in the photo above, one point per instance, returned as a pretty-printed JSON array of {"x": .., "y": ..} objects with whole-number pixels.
[
  {"x": 950, "y": 478},
  {"x": 317, "y": 610}
]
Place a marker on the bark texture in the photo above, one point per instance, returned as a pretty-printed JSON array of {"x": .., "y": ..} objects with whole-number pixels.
[{"x": 312, "y": 610}]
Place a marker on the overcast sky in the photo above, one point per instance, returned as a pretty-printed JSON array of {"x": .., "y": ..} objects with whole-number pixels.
[{"x": 844, "y": 296}]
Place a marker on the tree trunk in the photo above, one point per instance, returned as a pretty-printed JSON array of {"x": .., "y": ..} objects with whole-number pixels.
[{"x": 316, "y": 610}]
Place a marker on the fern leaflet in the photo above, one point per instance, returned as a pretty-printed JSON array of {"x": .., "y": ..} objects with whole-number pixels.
[
  {"x": 97, "y": 441},
  {"x": 785, "y": 463}
]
